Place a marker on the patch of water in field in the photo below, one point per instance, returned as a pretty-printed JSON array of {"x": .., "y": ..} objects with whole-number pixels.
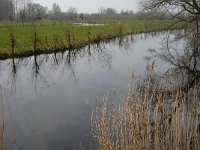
[
  {"x": 90, "y": 24},
  {"x": 48, "y": 98}
]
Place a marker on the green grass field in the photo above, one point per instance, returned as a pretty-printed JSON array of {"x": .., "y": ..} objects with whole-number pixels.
[{"x": 45, "y": 36}]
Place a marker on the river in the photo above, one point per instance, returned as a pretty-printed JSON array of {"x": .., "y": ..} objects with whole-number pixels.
[{"x": 48, "y": 99}]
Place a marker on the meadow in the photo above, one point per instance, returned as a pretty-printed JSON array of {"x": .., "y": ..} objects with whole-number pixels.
[{"x": 28, "y": 38}]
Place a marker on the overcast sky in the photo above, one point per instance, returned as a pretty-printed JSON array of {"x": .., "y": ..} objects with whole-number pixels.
[{"x": 91, "y": 6}]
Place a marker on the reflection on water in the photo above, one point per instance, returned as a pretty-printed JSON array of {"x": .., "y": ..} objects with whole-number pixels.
[
  {"x": 48, "y": 98},
  {"x": 182, "y": 50},
  {"x": 1, "y": 124}
]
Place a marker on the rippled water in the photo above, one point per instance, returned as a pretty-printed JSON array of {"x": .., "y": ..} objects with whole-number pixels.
[{"x": 48, "y": 98}]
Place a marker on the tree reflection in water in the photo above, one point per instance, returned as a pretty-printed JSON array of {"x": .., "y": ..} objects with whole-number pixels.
[
  {"x": 43, "y": 68},
  {"x": 39, "y": 71},
  {"x": 181, "y": 50},
  {"x": 40, "y": 66}
]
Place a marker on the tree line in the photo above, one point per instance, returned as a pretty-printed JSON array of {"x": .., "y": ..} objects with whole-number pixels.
[{"x": 26, "y": 10}]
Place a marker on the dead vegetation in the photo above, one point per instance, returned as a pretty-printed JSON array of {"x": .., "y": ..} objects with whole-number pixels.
[{"x": 149, "y": 118}]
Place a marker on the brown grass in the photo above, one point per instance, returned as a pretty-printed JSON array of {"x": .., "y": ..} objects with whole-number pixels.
[{"x": 149, "y": 118}]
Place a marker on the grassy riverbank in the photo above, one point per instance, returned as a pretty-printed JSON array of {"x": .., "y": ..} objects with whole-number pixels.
[{"x": 27, "y": 38}]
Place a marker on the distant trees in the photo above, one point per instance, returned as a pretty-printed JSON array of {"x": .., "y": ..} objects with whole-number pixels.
[
  {"x": 111, "y": 11},
  {"x": 25, "y": 10},
  {"x": 6, "y": 10},
  {"x": 153, "y": 15},
  {"x": 35, "y": 11},
  {"x": 107, "y": 13},
  {"x": 184, "y": 10},
  {"x": 55, "y": 13},
  {"x": 56, "y": 8},
  {"x": 21, "y": 10},
  {"x": 72, "y": 13},
  {"x": 127, "y": 14},
  {"x": 32, "y": 11}
]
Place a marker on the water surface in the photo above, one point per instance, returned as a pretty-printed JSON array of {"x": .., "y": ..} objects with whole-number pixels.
[{"x": 48, "y": 98}]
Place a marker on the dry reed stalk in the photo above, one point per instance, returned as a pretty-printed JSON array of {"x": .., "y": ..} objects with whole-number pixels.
[{"x": 149, "y": 118}]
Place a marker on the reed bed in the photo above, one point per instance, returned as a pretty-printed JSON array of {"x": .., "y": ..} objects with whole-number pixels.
[{"x": 148, "y": 118}]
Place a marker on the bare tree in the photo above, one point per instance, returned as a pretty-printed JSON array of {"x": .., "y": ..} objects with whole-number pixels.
[
  {"x": 55, "y": 13},
  {"x": 72, "y": 13},
  {"x": 35, "y": 11},
  {"x": 107, "y": 13},
  {"x": 56, "y": 8},
  {"x": 190, "y": 9},
  {"x": 6, "y": 10},
  {"x": 22, "y": 9},
  {"x": 186, "y": 61}
]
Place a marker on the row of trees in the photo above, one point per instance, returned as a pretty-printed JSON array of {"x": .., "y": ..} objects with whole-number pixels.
[
  {"x": 21, "y": 10},
  {"x": 6, "y": 10},
  {"x": 154, "y": 9},
  {"x": 184, "y": 10},
  {"x": 25, "y": 10}
]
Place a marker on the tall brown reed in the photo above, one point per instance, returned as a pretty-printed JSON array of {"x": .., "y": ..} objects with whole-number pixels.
[{"x": 149, "y": 118}]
